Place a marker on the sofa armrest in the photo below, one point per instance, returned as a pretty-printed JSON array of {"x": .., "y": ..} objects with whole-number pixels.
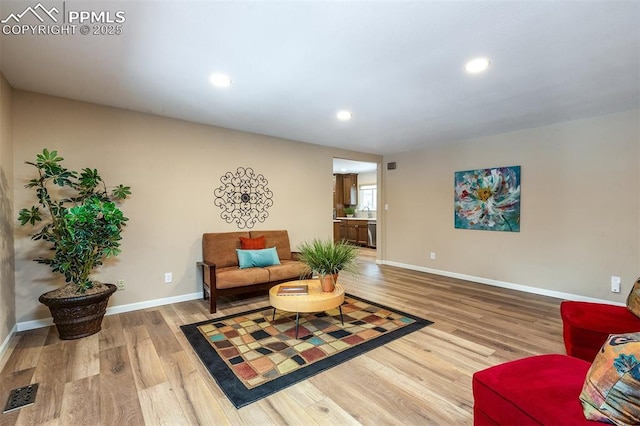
[
  {"x": 295, "y": 255},
  {"x": 208, "y": 272},
  {"x": 209, "y": 283}
]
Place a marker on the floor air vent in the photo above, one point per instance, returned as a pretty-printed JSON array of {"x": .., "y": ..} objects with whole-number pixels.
[{"x": 21, "y": 397}]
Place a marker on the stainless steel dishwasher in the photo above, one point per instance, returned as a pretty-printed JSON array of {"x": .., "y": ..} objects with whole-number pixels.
[{"x": 371, "y": 225}]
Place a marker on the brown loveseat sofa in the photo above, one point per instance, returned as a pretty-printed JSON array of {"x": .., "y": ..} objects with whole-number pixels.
[{"x": 222, "y": 275}]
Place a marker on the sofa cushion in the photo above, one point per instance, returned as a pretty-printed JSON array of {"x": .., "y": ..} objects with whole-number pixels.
[
  {"x": 257, "y": 258},
  {"x": 253, "y": 243},
  {"x": 220, "y": 248},
  {"x": 538, "y": 390},
  {"x": 611, "y": 391},
  {"x": 233, "y": 276},
  {"x": 277, "y": 239},
  {"x": 633, "y": 300},
  {"x": 288, "y": 269},
  {"x": 587, "y": 325}
]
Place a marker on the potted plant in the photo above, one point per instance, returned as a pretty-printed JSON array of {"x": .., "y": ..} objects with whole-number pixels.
[
  {"x": 349, "y": 211},
  {"x": 79, "y": 219},
  {"x": 326, "y": 258}
]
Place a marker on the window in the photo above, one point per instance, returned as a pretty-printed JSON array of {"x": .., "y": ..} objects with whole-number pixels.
[{"x": 368, "y": 197}]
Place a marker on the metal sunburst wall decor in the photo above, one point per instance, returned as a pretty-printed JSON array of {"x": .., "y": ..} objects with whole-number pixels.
[{"x": 243, "y": 197}]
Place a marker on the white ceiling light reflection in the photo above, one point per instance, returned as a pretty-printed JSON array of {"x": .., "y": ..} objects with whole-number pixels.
[
  {"x": 344, "y": 115},
  {"x": 220, "y": 80}
]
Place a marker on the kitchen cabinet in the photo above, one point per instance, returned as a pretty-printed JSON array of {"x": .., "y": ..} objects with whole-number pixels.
[
  {"x": 338, "y": 190},
  {"x": 342, "y": 231},
  {"x": 350, "y": 189},
  {"x": 345, "y": 192},
  {"x": 354, "y": 231},
  {"x": 362, "y": 233},
  {"x": 336, "y": 231}
]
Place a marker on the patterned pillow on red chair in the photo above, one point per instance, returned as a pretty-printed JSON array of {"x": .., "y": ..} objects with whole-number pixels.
[
  {"x": 611, "y": 391},
  {"x": 633, "y": 300}
]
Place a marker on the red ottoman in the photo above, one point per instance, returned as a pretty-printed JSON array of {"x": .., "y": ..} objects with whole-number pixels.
[
  {"x": 539, "y": 390},
  {"x": 587, "y": 325}
]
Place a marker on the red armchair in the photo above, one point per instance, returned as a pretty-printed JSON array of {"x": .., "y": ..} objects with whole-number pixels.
[
  {"x": 545, "y": 389},
  {"x": 587, "y": 325},
  {"x": 539, "y": 390}
]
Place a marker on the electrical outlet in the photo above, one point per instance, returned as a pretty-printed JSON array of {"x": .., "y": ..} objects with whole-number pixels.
[
  {"x": 120, "y": 284},
  {"x": 433, "y": 255},
  {"x": 168, "y": 277},
  {"x": 615, "y": 284}
]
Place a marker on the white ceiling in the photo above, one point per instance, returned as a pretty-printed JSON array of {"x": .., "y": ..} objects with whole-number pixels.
[
  {"x": 397, "y": 65},
  {"x": 340, "y": 165}
]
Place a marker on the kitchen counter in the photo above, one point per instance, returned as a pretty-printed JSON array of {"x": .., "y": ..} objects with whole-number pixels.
[{"x": 356, "y": 230}]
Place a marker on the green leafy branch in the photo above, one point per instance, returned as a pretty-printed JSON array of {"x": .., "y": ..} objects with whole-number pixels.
[{"x": 83, "y": 228}]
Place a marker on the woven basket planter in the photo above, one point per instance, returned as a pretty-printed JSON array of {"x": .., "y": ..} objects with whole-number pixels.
[{"x": 78, "y": 316}]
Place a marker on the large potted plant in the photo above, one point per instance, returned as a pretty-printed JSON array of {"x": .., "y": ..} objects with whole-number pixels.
[
  {"x": 327, "y": 258},
  {"x": 78, "y": 218}
]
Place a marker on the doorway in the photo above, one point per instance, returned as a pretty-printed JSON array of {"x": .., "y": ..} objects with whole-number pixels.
[{"x": 355, "y": 201}]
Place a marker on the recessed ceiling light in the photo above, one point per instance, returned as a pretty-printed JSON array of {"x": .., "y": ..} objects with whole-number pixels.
[
  {"x": 344, "y": 115},
  {"x": 220, "y": 80},
  {"x": 477, "y": 65}
]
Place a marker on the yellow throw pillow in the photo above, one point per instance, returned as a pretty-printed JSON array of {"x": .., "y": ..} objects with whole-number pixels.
[{"x": 611, "y": 391}]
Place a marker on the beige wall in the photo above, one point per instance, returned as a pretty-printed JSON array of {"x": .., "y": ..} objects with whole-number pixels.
[
  {"x": 7, "y": 281},
  {"x": 580, "y": 213},
  {"x": 368, "y": 178},
  {"x": 580, "y": 198},
  {"x": 173, "y": 168}
]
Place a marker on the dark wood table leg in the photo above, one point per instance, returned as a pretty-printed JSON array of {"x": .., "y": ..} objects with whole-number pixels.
[
  {"x": 297, "y": 322},
  {"x": 341, "y": 319},
  {"x": 274, "y": 315}
]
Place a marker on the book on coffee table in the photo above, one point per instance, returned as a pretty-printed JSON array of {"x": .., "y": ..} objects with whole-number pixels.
[{"x": 293, "y": 290}]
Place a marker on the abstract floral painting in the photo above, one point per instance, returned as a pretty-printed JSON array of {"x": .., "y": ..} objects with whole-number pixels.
[{"x": 488, "y": 199}]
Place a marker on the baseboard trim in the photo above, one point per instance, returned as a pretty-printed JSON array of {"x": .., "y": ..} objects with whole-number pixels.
[
  {"x": 7, "y": 340},
  {"x": 30, "y": 325},
  {"x": 153, "y": 303},
  {"x": 502, "y": 284}
]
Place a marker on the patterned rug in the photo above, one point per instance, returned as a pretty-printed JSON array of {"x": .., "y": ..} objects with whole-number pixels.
[{"x": 252, "y": 356}]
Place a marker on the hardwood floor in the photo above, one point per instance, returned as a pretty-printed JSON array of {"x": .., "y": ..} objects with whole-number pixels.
[{"x": 141, "y": 370}]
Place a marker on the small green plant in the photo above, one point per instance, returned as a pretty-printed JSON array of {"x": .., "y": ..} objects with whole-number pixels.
[
  {"x": 83, "y": 225},
  {"x": 349, "y": 210},
  {"x": 324, "y": 257}
]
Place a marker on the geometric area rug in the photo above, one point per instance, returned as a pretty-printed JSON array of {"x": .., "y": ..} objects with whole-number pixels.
[{"x": 251, "y": 356}]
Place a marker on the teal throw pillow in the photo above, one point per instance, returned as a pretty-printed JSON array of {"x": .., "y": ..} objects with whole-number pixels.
[{"x": 257, "y": 258}]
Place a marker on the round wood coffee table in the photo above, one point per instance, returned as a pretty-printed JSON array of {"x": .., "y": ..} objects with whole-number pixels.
[{"x": 315, "y": 301}]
